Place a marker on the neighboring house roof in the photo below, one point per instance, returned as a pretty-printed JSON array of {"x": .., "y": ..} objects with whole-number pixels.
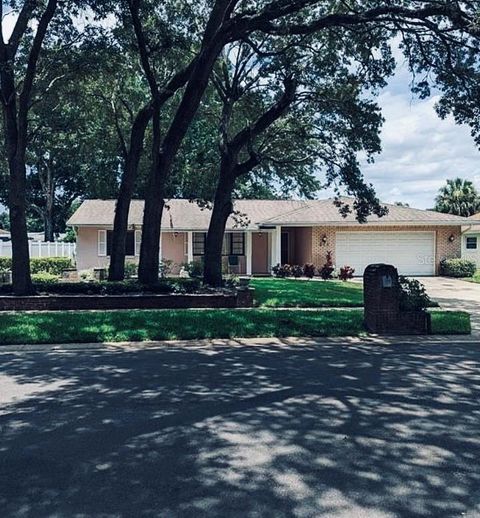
[
  {"x": 182, "y": 214},
  {"x": 475, "y": 216},
  {"x": 4, "y": 232}
]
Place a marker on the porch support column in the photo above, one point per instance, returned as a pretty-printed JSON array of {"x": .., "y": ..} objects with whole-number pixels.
[
  {"x": 277, "y": 245},
  {"x": 189, "y": 247},
  {"x": 248, "y": 252},
  {"x": 160, "y": 251}
]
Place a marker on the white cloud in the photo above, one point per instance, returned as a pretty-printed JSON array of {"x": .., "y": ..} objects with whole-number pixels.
[{"x": 420, "y": 151}]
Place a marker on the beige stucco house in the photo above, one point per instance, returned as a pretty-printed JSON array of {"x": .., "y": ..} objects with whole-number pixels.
[{"x": 263, "y": 233}]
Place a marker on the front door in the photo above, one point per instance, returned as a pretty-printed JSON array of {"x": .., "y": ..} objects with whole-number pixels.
[
  {"x": 260, "y": 258},
  {"x": 285, "y": 254}
]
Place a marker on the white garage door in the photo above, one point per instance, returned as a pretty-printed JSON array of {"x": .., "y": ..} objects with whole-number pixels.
[{"x": 412, "y": 253}]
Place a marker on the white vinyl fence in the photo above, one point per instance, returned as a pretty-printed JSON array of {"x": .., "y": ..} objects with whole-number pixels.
[{"x": 41, "y": 249}]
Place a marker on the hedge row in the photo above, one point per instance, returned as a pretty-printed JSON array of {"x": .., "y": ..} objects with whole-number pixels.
[
  {"x": 52, "y": 265},
  {"x": 164, "y": 286}
]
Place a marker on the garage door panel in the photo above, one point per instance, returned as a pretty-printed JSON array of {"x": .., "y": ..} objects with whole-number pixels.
[{"x": 413, "y": 253}]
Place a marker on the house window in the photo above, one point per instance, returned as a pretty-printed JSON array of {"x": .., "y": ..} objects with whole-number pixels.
[
  {"x": 102, "y": 243},
  {"x": 471, "y": 243},
  {"x": 237, "y": 243},
  {"x": 105, "y": 238},
  {"x": 138, "y": 241},
  {"x": 199, "y": 243},
  {"x": 233, "y": 243}
]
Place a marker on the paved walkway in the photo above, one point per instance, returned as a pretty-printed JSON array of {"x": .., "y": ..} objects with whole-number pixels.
[{"x": 455, "y": 294}]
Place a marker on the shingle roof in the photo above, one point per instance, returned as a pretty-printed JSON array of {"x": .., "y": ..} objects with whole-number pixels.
[
  {"x": 475, "y": 217},
  {"x": 185, "y": 215}
]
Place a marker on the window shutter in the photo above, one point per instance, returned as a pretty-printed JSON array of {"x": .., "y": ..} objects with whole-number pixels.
[
  {"x": 102, "y": 243},
  {"x": 138, "y": 242}
]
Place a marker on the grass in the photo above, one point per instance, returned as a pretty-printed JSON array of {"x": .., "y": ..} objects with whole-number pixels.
[
  {"x": 274, "y": 293},
  {"x": 136, "y": 325},
  {"x": 474, "y": 278},
  {"x": 450, "y": 323}
]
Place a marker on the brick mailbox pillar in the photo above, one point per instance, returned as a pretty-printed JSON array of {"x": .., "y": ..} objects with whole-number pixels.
[
  {"x": 381, "y": 298},
  {"x": 383, "y": 314}
]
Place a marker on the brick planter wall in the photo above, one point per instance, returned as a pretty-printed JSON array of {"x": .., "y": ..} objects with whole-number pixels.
[{"x": 244, "y": 298}]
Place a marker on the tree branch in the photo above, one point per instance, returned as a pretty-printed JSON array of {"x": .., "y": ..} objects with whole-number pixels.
[
  {"x": 32, "y": 61},
  {"x": 21, "y": 25}
]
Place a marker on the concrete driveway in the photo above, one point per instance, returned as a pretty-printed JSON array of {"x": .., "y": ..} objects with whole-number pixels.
[
  {"x": 456, "y": 294},
  {"x": 242, "y": 429}
]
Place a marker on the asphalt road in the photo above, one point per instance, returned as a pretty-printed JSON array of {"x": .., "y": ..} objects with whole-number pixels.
[{"x": 241, "y": 431}]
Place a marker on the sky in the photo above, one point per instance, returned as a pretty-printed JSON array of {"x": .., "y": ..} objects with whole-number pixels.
[{"x": 419, "y": 150}]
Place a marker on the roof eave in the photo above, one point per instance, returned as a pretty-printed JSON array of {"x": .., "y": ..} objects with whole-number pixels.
[{"x": 374, "y": 223}]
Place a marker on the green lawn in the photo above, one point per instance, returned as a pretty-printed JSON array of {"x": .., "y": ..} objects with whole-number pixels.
[
  {"x": 136, "y": 325},
  {"x": 475, "y": 278},
  {"x": 450, "y": 323},
  {"x": 117, "y": 326},
  {"x": 302, "y": 293}
]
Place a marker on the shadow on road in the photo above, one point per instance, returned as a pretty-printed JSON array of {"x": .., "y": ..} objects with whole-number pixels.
[{"x": 241, "y": 431}]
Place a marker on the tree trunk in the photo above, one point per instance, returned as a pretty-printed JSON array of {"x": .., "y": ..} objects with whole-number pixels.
[
  {"x": 16, "y": 134},
  {"x": 127, "y": 185},
  {"x": 49, "y": 189},
  {"x": 222, "y": 208},
  {"x": 15, "y": 147},
  {"x": 49, "y": 233},
  {"x": 163, "y": 161},
  {"x": 21, "y": 279}
]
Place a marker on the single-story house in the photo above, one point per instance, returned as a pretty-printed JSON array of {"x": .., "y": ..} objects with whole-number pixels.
[
  {"x": 263, "y": 233},
  {"x": 471, "y": 239}
]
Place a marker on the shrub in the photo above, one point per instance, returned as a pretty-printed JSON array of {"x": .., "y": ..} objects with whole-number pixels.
[
  {"x": 233, "y": 282},
  {"x": 413, "y": 296},
  {"x": 458, "y": 267},
  {"x": 282, "y": 270},
  {"x": 346, "y": 273},
  {"x": 86, "y": 275},
  {"x": 45, "y": 278},
  {"x": 297, "y": 271},
  {"x": 5, "y": 264},
  {"x": 53, "y": 265},
  {"x": 194, "y": 269},
  {"x": 165, "y": 267},
  {"x": 309, "y": 270},
  {"x": 164, "y": 286},
  {"x": 131, "y": 270},
  {"x": 326, "y": 272}
]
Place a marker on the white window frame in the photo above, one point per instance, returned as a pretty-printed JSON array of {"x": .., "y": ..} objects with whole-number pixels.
[
  {"x": 102, "y": 243},
  {"x": 138, "y": 242},
  {"x": 466, "y": 243}
]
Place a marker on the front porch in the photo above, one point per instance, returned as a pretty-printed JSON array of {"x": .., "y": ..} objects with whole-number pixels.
[{"x": 250, "y": 252}]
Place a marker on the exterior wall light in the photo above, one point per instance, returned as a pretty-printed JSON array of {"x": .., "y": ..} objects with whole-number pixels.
[
  {"x": 451, "y": 238},
  {"x": 324, "y": 239}
]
